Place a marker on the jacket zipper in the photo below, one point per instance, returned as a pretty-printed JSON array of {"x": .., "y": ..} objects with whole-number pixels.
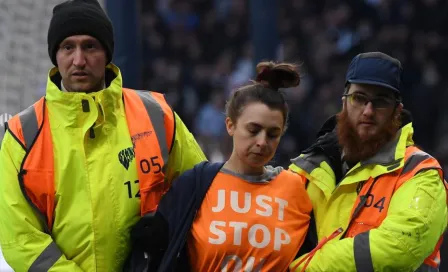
[
  {"x": 86, "y": 108},
  {"x": 92, "y": 132}
]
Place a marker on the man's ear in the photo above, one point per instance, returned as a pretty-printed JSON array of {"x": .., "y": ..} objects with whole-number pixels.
[
  {"x": 399, "y": 110},
  {"x": 344, "y": 98}
]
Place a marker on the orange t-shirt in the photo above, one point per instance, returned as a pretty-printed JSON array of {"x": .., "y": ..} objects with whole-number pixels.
[{"x": 248, "y": 226}]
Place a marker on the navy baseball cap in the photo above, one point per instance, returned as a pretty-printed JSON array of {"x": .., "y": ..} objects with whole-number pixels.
[{"x": 375, "y": 68}]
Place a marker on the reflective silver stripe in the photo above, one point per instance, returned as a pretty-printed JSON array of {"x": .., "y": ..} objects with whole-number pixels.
[
  {"x": 415, "y": 159},
  {"x": 361, "y": 247},
  {"x": 30, "y": 127},
  {"x": 309, "y": 162},
  {"x": 46, "y": 259},
  {"x": 156, "y": 114},
  {"x": 426, "y": 268},
  {"x": 386, "y": 155}
]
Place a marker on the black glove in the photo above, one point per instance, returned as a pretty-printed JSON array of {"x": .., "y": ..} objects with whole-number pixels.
[
  {"x": 328, "y": 126},
  {"x": 327, "y": 144},
  {"x": 406, "y": 117},
  {"x": 150, "y": 233},
  {"x": 148, "y": 237}
]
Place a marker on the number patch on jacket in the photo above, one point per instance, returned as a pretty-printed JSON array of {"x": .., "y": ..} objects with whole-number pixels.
[
  {"x": 379, "y": 204},
  {"x": 129, "y": 187},
  {"x": 150, "y": 165}
]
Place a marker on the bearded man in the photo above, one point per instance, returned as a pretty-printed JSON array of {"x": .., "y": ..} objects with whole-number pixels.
[{"x": 379, "y": 201}]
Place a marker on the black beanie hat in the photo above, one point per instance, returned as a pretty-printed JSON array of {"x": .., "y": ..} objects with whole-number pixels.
[{"x": 80, "y": 17}]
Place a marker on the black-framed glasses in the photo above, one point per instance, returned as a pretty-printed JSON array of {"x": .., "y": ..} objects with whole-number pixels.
[{"x": 360, "y": 100}]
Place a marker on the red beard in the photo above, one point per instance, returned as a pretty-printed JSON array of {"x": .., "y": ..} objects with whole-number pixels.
[{"x": 356, "y": 149}]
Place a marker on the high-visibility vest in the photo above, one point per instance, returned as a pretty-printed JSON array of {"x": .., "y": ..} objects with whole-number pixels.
[
  {"x": 371, "y": 206},
  {"x": 151, "y": 124}
]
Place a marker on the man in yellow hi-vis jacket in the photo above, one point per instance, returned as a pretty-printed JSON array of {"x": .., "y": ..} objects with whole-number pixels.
[
  {"x": 379, "y": 202},
  {"x": 83, "y": 164}
]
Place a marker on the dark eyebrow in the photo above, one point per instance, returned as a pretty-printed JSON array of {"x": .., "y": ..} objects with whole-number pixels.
[
  {"x": 254, "y": 124},
  {"x": 260, "y": 126},
  {"x": 359, "y": 92},
  {"x": 385, "y": 95},
  {"x": 381, "y": 95},
  {"x": 66, "y": 42},
  {"x": 89, "y": 41}
]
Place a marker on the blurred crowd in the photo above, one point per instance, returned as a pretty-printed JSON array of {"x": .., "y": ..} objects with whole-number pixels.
[{"x": 198, "y": 51}]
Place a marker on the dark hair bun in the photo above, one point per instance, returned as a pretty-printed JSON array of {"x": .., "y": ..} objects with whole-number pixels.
[{"x": 277, "y": 75}]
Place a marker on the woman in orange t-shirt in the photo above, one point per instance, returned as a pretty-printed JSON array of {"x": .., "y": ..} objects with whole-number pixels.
[{"x": 250, "y": 217}]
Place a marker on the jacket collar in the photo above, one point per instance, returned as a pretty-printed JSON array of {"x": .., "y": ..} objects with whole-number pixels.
[
  {"x": 112, "y": 77},
  {"x": 69, "y": 108},
  {"x": 316, "y": 167}
]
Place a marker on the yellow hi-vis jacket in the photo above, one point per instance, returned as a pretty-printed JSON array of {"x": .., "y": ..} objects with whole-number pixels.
[
  {"x": 402, "y": 217},
  {"x": 96, "y": 196}
]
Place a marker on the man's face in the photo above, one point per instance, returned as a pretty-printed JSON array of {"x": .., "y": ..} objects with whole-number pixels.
[
  {"x": 370, "y": 109},
  {"x": 81, "y": 61}
]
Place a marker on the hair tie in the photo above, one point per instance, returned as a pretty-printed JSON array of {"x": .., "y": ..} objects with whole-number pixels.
[{"x": 264, "y": 75}]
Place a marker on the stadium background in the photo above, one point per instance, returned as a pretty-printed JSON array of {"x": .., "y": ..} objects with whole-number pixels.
[{"x": 198, "y": 51}]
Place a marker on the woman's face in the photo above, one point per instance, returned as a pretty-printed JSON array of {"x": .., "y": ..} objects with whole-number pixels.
[{"x": 256, "y": 134}]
